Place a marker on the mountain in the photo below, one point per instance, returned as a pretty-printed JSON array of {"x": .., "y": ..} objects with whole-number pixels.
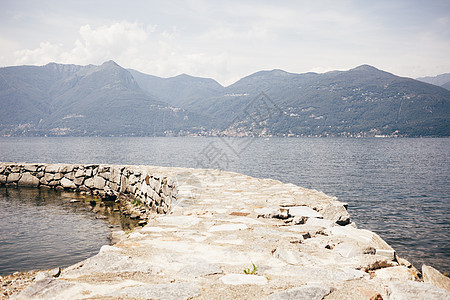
[
  {"x": 179, "y": 90},
  {"x": 106, "y": 100},
  {"x": 442, "y": 80},
  {"x": 361, "y": 101},
  {"x": 60, "y": 99}
]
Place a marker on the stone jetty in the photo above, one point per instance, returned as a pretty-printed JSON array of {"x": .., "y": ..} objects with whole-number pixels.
[{"x": 223, "y": 235}]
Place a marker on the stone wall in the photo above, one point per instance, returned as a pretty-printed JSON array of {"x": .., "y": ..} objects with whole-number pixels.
[{"x": 106, "y": 181}]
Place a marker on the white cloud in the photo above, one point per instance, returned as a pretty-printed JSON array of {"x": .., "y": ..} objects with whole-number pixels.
[
  {"x": 132, "y": 45},
  {"x": 46, "y": 53}
]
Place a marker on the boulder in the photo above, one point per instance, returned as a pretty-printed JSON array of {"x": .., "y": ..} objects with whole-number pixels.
[
  {"x": 53, "y": 168},
  {"x": 3, "y": 179},
  {"x": 99, "y": 182},
  {"x": 28, "y": 180},
  {"x": 303, "y": 211},
  {"x": 13, "y": 177},
  {"x": 80, "y": 173},
  {"x": 434, "y": 277},
  {"x": 398, "y": 273},
  {"x": 30, "y": 167},
  {"x": 89, "y": 183},
  {"x": 68, "y": 184}
]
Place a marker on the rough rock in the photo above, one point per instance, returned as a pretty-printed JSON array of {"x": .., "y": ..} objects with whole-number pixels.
[
  {"x": 303, "y": 211},
  {"x": 199, "y": 270},
  {"x": 13, "y": 177},
  {"x": 67, "y": 183},
  {"x": 169, "y": 291},
  {"x": 310, "y": 292},
  {"x": 434, "y": 277},
  {"x": 28, "y": 180},
  {"x": 237, "y": 279},
  {"x": 413, "y": 290},
  {"x": 399, "y": 273}
]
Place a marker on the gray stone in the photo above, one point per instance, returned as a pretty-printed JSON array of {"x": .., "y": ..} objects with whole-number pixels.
[
  {"x": 80, "y": 173},
  {"x": 317, "y": 274},
  {"x": 303, "y": 211},
  {"x": 70, "y": 176},
  {"x": 68, "y": 184},
  {"x": 3, "y": 179},
  {"x": 336, "y": 212},
  {"x": 413, "y": 290},
  {"x": 199, "y": 270},
  {"x": 89, "y": 183},
  {"x": 109, "y": 261},
  {"x": 58, "y": 176},
  {"x": 169, "y": 291},
  {"x": 53, "y": 168},
  {"x": 46, "y": 288},
  {"x": 49, "y": 177},
  {"x": 30, "y": 167},
  {"x": 78, "y": 181},
  {"x": 68, "y": 168},
  {"x": 288, "y": 256},
  {"x": 13, "y": 177},
  {"x": 89, "y": 172},
  {"x": 310, "y": 292},
  {"x": 433, "y": 276},
  {"x": 238, "y": 279},
  {"x": 28, "y": 180},
  {"x": 398, "y": 273},
  {"x": 99, "y": 182}
]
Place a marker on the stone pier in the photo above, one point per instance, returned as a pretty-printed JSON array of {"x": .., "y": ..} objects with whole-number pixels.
[
  {"x": 155, "y": 190},
  {"x": 231, "y": 236}
]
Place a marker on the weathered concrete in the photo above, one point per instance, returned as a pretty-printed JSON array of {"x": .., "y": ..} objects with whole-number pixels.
[{"x": 290, "y": 240}]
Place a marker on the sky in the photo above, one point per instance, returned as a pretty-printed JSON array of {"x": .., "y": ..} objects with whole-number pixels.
[{"x": 227, "y": 40}]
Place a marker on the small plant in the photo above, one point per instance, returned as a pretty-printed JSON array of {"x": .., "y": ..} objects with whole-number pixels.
[
  {"x": 136, "y": 202},
  {"x": 251, "y": 271}
]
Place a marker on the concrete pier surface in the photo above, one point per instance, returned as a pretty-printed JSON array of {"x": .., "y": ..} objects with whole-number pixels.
[{"x": 232, "y": 236}]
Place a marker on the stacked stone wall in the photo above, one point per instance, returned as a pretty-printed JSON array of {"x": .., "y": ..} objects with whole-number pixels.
[{"x": 154, "y": 190}]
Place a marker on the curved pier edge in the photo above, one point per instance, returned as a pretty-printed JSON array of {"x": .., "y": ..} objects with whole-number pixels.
[{"x": 227, "y": 235}]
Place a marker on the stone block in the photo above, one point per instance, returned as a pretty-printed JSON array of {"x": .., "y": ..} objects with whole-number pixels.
[
  {"x": 78, "y": 180},
  {"x": 28, "y": 180},
  {"x": 67, "y": 183},
  {"x": 80, "y": 173},
  {"x": 13, "y": 177},
  {"x": 53, "y": 168},
  {"x": 434, "y": 277},
  {"x": 89, "y": 183},
  {"x": 58, "y": 176},
  {"x": 70, "y": 176},
  {"x": 399, "y": 273},
  {"x": 99, "y": 182},
  {"x": 303, "y": 211},
  {"x": 237, "y": 279},
  {"x": 309, "y": 291},
  {"x": 3, "y": 179},
  {"x": 30, "y": 167}
]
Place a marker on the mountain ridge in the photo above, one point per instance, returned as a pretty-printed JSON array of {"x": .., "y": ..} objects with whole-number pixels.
[{"x": 58, "y": 99}]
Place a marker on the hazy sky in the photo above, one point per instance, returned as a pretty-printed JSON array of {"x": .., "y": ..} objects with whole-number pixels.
[{"x": 227, "y": 40}]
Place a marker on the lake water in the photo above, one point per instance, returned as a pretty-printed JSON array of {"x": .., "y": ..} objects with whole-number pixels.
[{"x": 398, "y": 188}]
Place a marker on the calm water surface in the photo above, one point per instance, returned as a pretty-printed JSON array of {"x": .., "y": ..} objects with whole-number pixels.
[{"x": 398, "y": 188}]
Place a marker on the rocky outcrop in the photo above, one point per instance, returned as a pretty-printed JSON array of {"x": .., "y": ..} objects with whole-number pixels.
[{"x": 142, "y": 184}]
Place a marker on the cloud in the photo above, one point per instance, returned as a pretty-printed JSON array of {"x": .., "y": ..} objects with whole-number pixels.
[
  {"x": 46, "y": 53},
  {"x": 132, "y": 45}
]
